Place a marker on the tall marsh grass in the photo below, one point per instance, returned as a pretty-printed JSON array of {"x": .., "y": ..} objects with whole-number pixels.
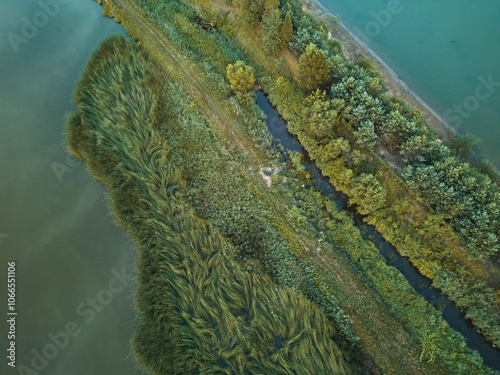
[{"x": 199, "y": 311}]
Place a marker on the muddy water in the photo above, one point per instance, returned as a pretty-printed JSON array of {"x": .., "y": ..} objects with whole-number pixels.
[{"x": 73, "y": 265}]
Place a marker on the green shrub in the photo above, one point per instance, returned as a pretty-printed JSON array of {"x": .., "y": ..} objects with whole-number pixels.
[{"x": 240, "y": 76}]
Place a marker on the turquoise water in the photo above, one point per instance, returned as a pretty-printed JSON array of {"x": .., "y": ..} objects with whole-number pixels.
[
  {"x": 53, "y": 217},
  {"x": 444, "y": 50}
]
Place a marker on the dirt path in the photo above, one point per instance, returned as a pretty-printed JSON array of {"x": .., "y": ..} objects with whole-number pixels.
[{"x": 189, "y": 77}]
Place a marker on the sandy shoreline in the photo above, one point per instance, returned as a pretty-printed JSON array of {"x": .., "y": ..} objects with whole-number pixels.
[{"x": 355, "y": 49}]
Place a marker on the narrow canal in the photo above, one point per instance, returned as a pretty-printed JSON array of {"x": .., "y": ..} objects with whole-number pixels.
[{"x": 422, "y": 285}]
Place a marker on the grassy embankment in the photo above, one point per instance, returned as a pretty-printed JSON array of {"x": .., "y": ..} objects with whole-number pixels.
[
  {"x": 199, "y": 311},
  {"x": 425, "y": 234},
  {"x": 198, "y": 80}
]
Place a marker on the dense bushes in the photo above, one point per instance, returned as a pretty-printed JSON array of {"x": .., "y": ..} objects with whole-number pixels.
[
  {"x": 240, "y": 76},
  {"x": 199, "y": 312},
  {"x": 468, "y": 199}
]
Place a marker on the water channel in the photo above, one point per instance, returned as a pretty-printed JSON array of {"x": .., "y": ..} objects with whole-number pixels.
[{"x": 422, "y": 285}]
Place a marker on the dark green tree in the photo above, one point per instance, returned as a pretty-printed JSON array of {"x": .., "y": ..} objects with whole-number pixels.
[
  {"x": 365, "y": 134},
  {"x": 272, "y": 32}
]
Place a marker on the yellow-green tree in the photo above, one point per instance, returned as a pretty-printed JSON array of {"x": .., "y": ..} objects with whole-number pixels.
[
  {"x": 286, "y": 30},
  {"x": 240, "y": 76},
  {"x": 313, "y": 69},
  {"x": 252, "y": 11},
  {"x": 270, "y": 5},
  {"x": 368, "y": 193},
  {"x": 320, "y": 116}
]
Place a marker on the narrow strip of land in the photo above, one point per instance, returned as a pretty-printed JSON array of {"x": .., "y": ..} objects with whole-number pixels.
[{"x": 371, "y": 319}]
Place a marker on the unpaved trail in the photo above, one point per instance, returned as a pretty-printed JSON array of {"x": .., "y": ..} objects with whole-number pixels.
[{"x": 192, "y": 78}]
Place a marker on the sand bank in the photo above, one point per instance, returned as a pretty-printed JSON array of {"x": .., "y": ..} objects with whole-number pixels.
[{"x": 355, "y": 50}]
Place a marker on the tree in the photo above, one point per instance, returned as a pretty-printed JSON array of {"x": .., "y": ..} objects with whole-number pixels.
[
  {"x": 252, "y": 11},
  {"x": 319, "y": 116},
  {"x": 422, "y": 149},
  {"x": 412, "y": 149},
  {"x": 286, "y": 30},
  {"x": 272, "y": 31},
  {"x": 367, "y": 193},
  {"x": 240, "y": 76},
  {"x": 270, "y": 5},
  {"x": 390, "y": 129},
  {"x": 365, "y": 134},
  {"x": 462, "y": 145},
  {"x": 335, "y": 149},
  {"x": 313, "y": 68},
  {"x": 305, "y": 36}
]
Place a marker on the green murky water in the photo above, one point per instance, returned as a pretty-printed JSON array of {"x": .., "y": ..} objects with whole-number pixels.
[{"x": 73, "y": 264}]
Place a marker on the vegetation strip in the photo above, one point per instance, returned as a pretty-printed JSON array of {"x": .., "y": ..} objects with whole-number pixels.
[
  {"x": 199, "y": 312},
  {"x": 433, "y": 350}
]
